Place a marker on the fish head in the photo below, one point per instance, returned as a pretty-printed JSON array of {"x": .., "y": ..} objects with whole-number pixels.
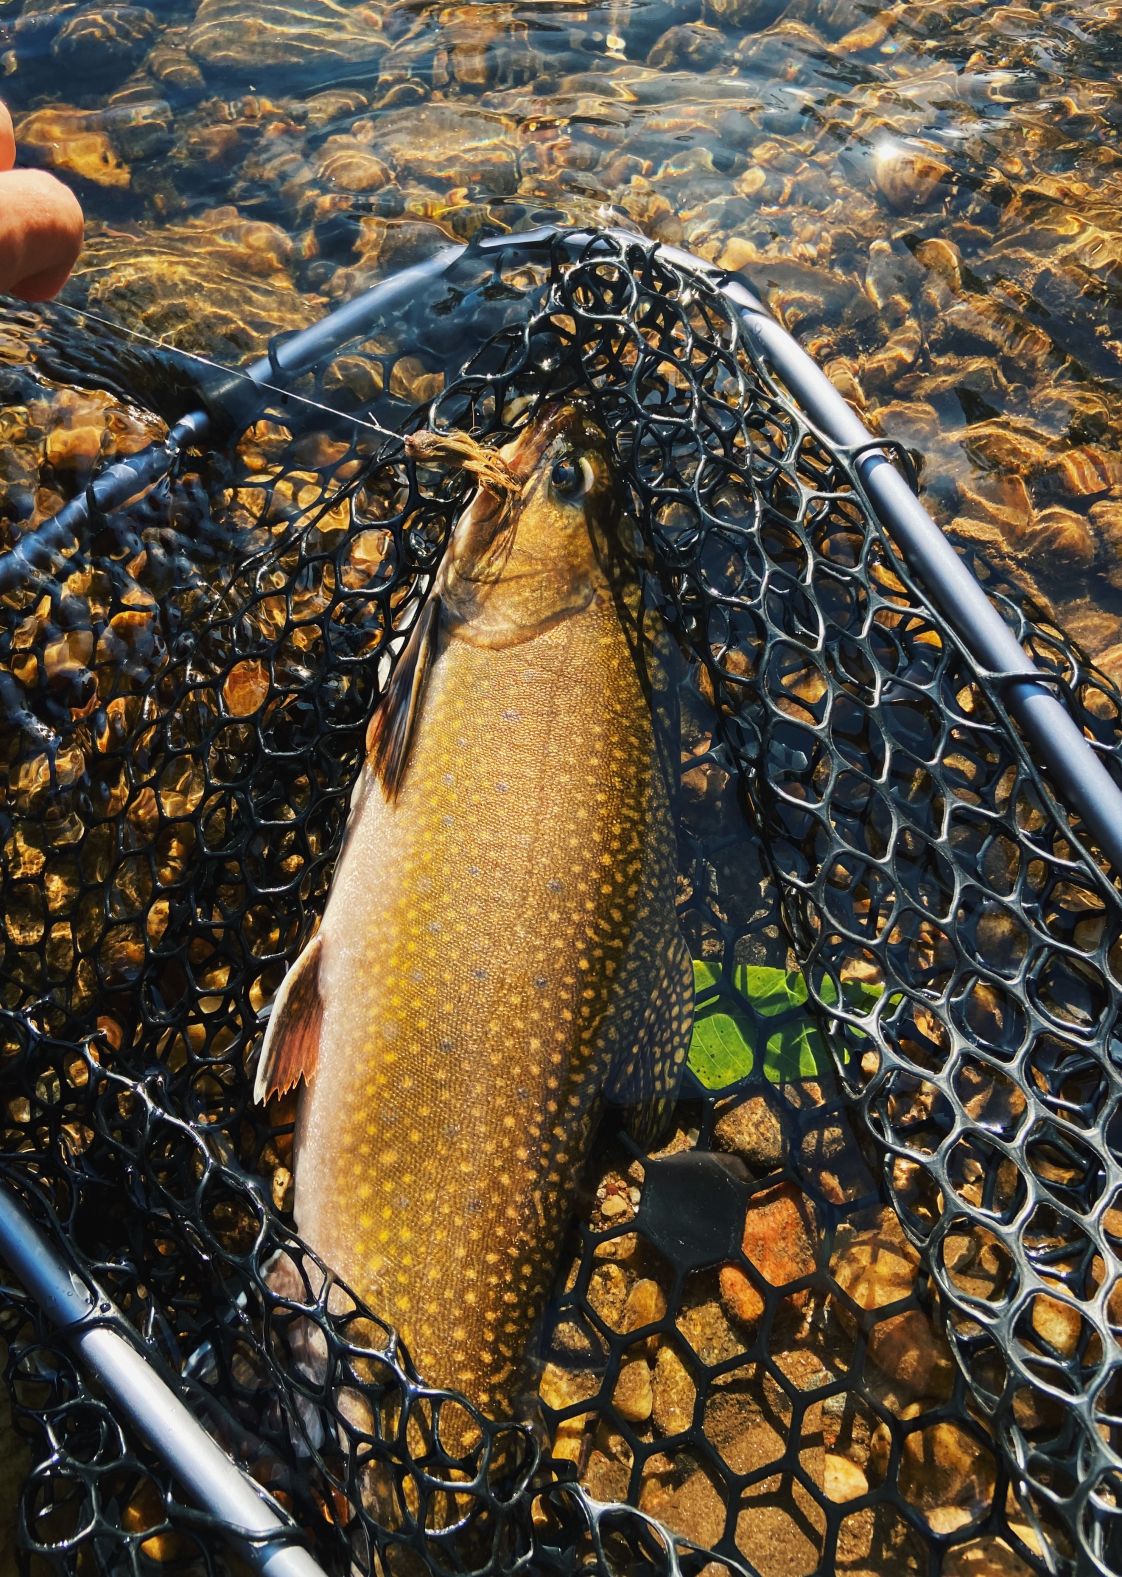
[{"x": 529, "y": 550}]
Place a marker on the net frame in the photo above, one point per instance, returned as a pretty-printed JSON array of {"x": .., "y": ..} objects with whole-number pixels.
[{"x": 857, "y": 470}]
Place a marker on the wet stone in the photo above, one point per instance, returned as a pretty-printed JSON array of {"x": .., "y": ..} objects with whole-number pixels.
[
  {"x": 270, "y": 38},
  {"x": 450, "y": 144},
  {"x": 1064, "y": 535},
  {"x": 74, "y": 448},
  {"x": 843, "y": 1479},
  {"x": 942, "y": 1466},
  {"x": 607, "y": 1294},
  {"x": 633, "y": 1397},
  {"x": 711, "y": 1332},
  {"x": 176, "y": 71},
  {"x": 608, "y": 1472},
  {"x": 348, "y": 165},
  {"x": 674, "y": 1393},
  {"x": 692, "y": 44},
  {"x": 105, "y": 44},
  {"x": 909, "y": 175},
  {"x": 218, "y": 283},
  {"x": 752, "y": 1130},
  {"x": 778, "y": 1243},
  {"x": 646, "y": 1304},
  {"x": 73, "y": 142},
  {"x": 876, "y": 1268},
  {"x": 1105, "y": 519},
  {"x": 989, "y": 1557}
]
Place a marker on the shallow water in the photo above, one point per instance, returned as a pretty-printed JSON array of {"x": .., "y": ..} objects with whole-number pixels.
[{"x": 928, "y": 194}]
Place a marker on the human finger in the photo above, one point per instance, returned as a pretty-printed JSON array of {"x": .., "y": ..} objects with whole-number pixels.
[
  {"x": 7, "y": 139},
  {"x": 41, "y": 230}
]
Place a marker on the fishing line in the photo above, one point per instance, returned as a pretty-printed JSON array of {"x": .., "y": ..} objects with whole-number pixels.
[{"x": 85, "y": 315}]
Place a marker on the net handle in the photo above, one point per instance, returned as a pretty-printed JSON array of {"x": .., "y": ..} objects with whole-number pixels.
[{"x": 209, "y": 1476}]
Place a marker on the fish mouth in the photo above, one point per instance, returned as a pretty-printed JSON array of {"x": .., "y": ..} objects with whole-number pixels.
[
  {"x": 506, "y": 480},
  {"x": 523, "y": 454}
]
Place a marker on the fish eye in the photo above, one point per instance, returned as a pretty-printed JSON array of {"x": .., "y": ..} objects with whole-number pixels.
[{"x": 570, "y": 477}]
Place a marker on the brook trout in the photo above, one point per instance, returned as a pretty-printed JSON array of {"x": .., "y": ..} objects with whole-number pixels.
[{"x": 499, "y": 956}]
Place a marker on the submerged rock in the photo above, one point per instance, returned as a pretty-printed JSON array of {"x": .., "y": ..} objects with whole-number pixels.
[
  {"x": 174, "y": 69},
  {"x": 693, "y": 44},
  {"x": 876, "y": 1268},
  {"x": 752, "y": 1130},
  {"x": 445, "y": 145},
  {"x": 267, "y": 37},
  {"x": 675, "y": 1394},
  {"x": 908, "y": 175},
  {"x": 218, "y": 284},
  {"x": 633, "y": 1397},
  {"x": 75, "y": 142},
  {"x": 99, "y": 146},
  {"x": 941, "y": 1466},
  {"x": 778, "y": 1243},
  {"x": 105, "y": 45}
]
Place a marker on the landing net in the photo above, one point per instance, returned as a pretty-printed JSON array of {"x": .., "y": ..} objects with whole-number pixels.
[{"x": 886, "y": 1340}]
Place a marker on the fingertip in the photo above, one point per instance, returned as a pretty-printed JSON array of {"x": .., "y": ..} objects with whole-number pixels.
[
  {"x": 41, "y": 232},
  {"x": 60, "y": 210},
  {"x": 41, "y": 287},
  {"x": 7, "y": 138},
  {"x": 59, "y": 215}
]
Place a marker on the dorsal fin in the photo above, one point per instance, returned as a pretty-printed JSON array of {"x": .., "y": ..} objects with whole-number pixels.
[{"x": 391, "y": 728}]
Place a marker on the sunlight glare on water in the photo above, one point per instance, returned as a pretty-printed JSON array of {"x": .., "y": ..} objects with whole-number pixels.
[{"x": 927, "y": 194}]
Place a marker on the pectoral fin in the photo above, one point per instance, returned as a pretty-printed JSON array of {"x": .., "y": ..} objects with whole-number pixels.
[
  {"x": 291, "y": 1047},
  {"x": 391, "y": 728},
  {"x": 645, "y": 1078}
]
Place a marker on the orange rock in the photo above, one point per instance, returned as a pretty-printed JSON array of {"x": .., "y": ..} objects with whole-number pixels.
[
  {"x": 74, "y": 448},
  {"x": 941, "y": 257},
  {"x": 1001, "y": 501},
  {"x": 907, "y": 174},
  {"x": 74, "y": 141},
  {"x": 941, "y": 1465},
  {"x": 646, "y": 1303},
  {"x": 778, "y": 1242},
  {"x": 1089, "y": 470},
  {"x": 751, "y": 1129},
  {"x": 633, "y": 1397},
  {"x": 1063, "y": 534},
  {"x": 245, "y": 687},
  {"x": 1057, "y": 1322},
  {"x": 674, "y": 1397},
  {"x": 843, "y": 1479},
  {"x": 878, "y": 1268}
]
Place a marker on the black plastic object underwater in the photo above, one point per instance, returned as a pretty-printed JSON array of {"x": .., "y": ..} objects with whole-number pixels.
[{"x": 945, "y": 895}]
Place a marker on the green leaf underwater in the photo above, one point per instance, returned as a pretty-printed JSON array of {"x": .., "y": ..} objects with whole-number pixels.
[{"x": 758, "y": 1012}]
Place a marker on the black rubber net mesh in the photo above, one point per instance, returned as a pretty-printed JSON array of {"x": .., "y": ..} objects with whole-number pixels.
[{"x": 883, "y": 1339}]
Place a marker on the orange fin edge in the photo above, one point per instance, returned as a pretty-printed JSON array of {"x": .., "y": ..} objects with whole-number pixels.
[
  {"x": 390, "y": 735},
  {"x": 290, "y": 1050}
]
